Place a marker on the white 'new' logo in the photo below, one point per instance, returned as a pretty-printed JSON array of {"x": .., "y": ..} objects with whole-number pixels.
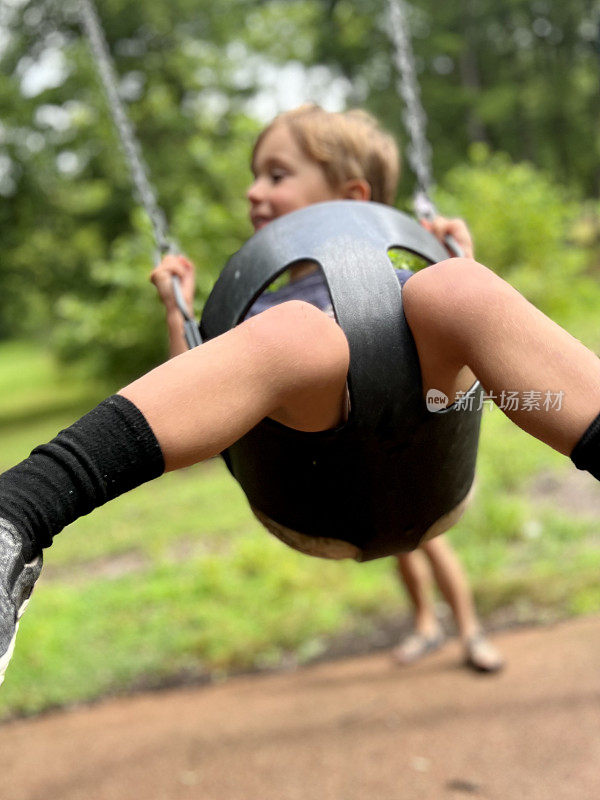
[{"x": 435, "y": 400}]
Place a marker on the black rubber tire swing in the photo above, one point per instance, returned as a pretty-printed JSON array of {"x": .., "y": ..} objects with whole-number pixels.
[{"x": 378, "y": 483}]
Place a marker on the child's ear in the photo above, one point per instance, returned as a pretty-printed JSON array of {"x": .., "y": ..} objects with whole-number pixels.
[{"x": 357, "y": 189}]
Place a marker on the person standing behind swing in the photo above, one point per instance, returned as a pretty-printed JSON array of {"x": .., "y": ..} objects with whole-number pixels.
[{"x": 312, "y": 127}]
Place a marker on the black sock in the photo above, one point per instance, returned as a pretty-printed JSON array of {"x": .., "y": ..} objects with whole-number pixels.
[
  {"x": 586, "y": 453},
  {"x": 109, "y": 451}
]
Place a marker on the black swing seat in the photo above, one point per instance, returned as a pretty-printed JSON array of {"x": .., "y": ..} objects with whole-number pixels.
[{"x": 395, "y": 473}]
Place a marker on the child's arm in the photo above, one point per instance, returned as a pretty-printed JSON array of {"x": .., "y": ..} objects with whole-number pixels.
[
  {"x": 162, "y": 278},
  {"x": 441, "y": 227}
]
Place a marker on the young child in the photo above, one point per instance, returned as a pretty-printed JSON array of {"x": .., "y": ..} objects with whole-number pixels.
[
  {"x": 269, "y": 199},
  {"x": 290, "y": 363}
]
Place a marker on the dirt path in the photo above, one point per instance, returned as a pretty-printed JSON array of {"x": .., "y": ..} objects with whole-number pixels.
[{"x": 358, "y": 729}]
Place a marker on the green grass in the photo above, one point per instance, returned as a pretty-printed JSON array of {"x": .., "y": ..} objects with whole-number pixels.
[{"x": 177, "y": 580}]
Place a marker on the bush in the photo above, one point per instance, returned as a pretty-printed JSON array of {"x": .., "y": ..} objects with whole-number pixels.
[{"x": 523, "y": 223}]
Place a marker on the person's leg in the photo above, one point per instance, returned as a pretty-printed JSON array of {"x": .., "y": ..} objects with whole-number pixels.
[
  {"x": 464, "y": 317},
  {"x": 414, "y": 572},
  {"x": 452, "y": 581},
  {"x": 416, "y": 576},
  {"x": 289, "y": 363},
  {"x": 453, "y": 585}
]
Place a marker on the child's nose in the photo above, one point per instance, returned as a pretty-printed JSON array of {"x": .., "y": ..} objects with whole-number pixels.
[{"x": 255, "y": 193}]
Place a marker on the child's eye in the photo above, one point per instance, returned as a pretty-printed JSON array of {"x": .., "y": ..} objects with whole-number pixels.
[{"x": 277, "y": 175}]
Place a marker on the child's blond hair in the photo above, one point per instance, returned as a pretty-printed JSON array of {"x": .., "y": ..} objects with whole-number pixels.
[{"x": 346, "y": 145}]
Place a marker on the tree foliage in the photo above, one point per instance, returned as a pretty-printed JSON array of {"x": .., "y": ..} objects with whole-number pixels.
[
  {"x": 526, "y": 231},
  {"x": 520, "y": 76}
]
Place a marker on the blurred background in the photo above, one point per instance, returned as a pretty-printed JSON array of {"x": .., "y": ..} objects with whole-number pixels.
[{"x": 177, "y": 582}]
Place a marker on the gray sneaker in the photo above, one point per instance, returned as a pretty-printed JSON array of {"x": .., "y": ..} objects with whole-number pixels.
[{"x": 16, "y": 584}]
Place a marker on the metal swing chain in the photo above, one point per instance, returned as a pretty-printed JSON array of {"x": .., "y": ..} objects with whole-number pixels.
[
  {"x": 133, "y": 155},
  {"x": 415, "y": 119}
]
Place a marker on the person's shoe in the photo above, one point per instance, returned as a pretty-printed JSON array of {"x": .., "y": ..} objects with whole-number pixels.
[
  {"x": 16, "y": 584},
  {"x": 481, "y": 655},
  {"x": 416, "y": 646}
]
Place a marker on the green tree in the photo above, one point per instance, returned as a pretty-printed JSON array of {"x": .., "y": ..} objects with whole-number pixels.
[{"x": 520, "y": 75}]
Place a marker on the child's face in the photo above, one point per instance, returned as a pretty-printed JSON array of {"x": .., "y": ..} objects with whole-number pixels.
[{"x": 284, "y": 179}]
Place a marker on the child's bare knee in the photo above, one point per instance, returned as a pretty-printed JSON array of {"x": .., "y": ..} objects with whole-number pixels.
[
  {"x": 302, "y": 343},
  {"x": 449, "y": 288}
]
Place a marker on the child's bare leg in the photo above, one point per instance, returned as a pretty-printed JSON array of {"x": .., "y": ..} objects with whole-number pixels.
[
  {"x": 414, "y": 571},
  {"x": 289, "y": 363},
  {"x": 416, "y": 575},
  {"x": 463, "y": 316},
  {"x": 453, "y": 584},
  {"x": 480, "y": 654}
]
